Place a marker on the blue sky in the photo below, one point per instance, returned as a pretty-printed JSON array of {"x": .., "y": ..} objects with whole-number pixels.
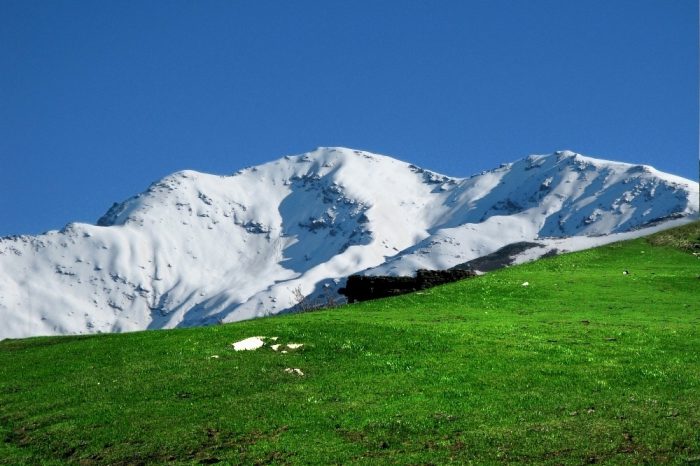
[{"x": 98, "y": 99}]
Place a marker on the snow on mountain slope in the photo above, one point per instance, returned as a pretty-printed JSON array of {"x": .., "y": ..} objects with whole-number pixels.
[
  {"x": 564, "y": 195},
  {"x": 197, "y": 249}
]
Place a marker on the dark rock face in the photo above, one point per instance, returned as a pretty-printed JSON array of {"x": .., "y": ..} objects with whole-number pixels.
[
  {"x": 498, "y": 259},
  {"x": 362, "y": 288}
]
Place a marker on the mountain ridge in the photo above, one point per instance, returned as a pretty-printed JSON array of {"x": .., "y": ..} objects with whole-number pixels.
[{"x": 196, "y": 249}]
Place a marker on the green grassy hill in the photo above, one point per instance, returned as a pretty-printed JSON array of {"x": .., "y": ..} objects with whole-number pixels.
[{"x": 583, "y": 365}]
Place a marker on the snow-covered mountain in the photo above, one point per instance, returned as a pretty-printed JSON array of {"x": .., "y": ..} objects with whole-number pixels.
[{"x": 197, "y": 249}]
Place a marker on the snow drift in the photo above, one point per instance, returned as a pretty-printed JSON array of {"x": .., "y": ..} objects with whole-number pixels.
[{"x": 197, "y": 249}]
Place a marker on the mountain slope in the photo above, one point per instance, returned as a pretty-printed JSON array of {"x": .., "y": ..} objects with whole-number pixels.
[
  {"x": 585, "y": 365},
  {"x": 197, "y": 249}
]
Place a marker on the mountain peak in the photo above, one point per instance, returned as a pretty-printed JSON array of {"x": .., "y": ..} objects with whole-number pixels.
[{"x": 196, "y": 249}]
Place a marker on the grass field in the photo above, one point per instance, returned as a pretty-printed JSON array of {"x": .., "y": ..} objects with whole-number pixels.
[{"x": 583, "y": 365}]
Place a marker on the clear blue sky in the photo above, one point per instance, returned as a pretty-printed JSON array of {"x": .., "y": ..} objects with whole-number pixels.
[{"x": 98, "y": 98}]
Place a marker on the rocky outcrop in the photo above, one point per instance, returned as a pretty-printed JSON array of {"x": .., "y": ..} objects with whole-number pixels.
[
  {"x": 364, "y": 288},
  {"x": 503, "y": 257}
]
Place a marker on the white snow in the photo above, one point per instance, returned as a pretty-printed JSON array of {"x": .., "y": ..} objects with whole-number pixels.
[
  {"x": 198, "y": 249},
  {"x": 249, "y": 344}
]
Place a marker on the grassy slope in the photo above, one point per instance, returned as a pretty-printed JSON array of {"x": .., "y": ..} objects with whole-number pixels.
[{"x": 583, "y": 365}]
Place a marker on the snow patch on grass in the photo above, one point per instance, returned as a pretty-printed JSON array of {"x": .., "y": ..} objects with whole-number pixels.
[{"x": 249, "y": 344}]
